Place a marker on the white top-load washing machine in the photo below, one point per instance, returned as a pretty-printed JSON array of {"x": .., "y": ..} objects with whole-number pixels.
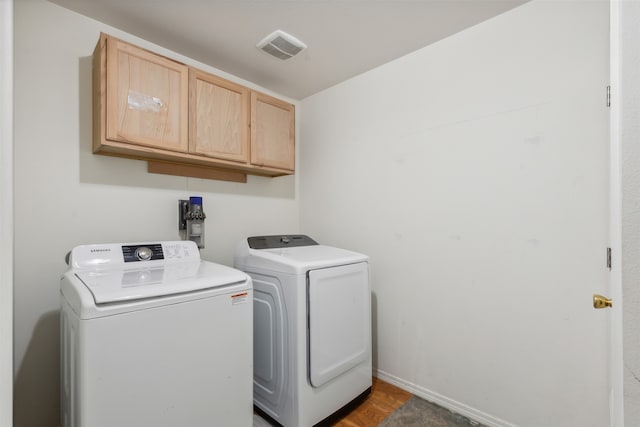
[
  {"x": 153, "y": 336},
  {"x": 312, "y": 327}
]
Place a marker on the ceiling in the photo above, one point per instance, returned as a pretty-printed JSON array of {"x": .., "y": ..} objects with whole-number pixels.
[{"x": 344, "y": 37}]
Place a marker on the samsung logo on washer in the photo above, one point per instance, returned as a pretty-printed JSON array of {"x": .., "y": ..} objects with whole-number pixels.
[{"x": 101, "y": 250}]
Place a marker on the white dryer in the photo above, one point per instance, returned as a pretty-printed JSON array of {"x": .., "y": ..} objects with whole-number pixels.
[
  {"x": 153, "y": 336},
  {"x": 312, "y": 327}
]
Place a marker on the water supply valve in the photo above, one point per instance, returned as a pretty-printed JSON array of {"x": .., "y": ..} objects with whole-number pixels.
[{"x": 191, "y": 218}]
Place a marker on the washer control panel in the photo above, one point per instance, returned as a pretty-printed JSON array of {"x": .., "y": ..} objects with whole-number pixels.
[
  {"x": 280, "y": 241},
  {"x": 118, "y": 254},
  {"x": 132, "y": 253}
]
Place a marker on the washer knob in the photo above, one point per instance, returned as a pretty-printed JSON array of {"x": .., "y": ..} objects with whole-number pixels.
[
  {"x": 144, "y": 253},
  {"x": 284, "y": 240}
]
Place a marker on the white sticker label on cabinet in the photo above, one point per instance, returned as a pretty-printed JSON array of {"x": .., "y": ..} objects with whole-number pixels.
[{"x": 143, "y": 102}]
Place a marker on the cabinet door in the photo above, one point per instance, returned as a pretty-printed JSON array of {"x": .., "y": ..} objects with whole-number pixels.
[
  {"x": 218, "y": 117},
  {"x": 147, "y": 98},
  {"x": 272, "y": 132}
]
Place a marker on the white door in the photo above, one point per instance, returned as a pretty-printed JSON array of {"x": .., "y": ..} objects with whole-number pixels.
[
  {"x": 339, "y": 315},
  {"x": 6, "y": 212},
  {"x": 615, "y": 291}
]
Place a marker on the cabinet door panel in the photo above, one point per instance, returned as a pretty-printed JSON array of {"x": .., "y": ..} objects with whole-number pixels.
[
  {"x": 219, "y": 118},
  {"x": 147, "y": 98},
  {"x": 272, "y": 132}
]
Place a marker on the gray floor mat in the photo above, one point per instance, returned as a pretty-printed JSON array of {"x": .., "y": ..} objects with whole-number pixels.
[{"x": 418, "y": 412}]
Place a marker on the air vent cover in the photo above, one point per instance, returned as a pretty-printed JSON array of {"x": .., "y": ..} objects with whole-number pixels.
[{"x": 281, "y": 45}]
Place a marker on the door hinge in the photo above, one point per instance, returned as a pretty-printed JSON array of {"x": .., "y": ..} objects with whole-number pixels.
[
  {"x": 609, "y": 258},
  {"x": 608, "y": 96}
]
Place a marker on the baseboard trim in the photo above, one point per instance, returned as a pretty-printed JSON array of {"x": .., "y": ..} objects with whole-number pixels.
[{"x": 453, "y": 405}]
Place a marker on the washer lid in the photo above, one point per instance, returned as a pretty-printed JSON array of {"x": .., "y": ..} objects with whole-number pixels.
[{"x": 119, "y": 285}]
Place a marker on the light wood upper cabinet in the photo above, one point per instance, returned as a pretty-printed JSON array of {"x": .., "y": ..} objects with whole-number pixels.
[
  {"x": 218, "y": 117},
  {"x": 184, "y": 121},
  {"x": 146, "y": 97},
  {"x": 272, "y": 132}
]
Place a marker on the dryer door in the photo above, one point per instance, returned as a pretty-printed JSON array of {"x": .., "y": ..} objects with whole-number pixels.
[{"x": 339, "y": 303}]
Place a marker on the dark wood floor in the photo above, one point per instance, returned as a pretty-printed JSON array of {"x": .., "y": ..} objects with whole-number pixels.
[{"x": 383, "y": 400}]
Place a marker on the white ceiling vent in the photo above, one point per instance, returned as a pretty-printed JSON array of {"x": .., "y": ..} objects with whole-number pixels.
[{"x": 281, "y": 45}]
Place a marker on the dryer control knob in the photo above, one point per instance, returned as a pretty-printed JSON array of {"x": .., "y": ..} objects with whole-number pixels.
[
  {"x": 144, "y": 253},
  {"x": 284, "y": 240}
]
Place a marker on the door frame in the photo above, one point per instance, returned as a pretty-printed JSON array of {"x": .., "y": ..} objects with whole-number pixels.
[
  {"x": 6, "y": 212},
  {"x": 616, "y": 392}
]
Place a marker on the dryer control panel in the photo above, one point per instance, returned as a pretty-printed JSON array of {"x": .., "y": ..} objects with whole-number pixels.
[{"x": 281, "y": 241}]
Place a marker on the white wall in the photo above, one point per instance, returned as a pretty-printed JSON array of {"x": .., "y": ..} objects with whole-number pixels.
[
  {"x": 629, "y": 90},
  {"x": 67, "y": 196},
  {"x": 6, "y": 213},
  {"x": 448, "y": 167}
]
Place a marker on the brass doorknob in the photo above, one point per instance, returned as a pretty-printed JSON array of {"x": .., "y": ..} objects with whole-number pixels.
[{"x": 601, "y": 302}]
